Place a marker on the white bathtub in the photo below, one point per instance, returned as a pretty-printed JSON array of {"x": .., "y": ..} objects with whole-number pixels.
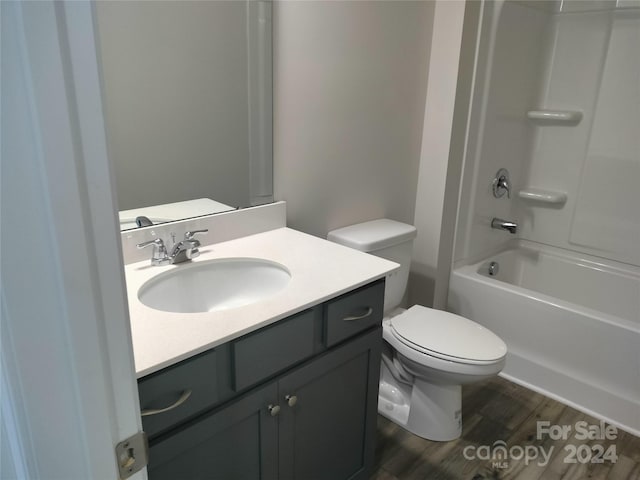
[{"x": 571, "y": 323}]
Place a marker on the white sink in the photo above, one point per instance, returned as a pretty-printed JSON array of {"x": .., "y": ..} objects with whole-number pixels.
[{"x": 214, "y": 285}]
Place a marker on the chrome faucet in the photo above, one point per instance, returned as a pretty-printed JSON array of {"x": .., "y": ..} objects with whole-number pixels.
[
  {"x": 500, "y": 224},
  {"x": 180, "y": 252},
  {"x": 159, "y": 256},
  {"x": 142, "y": 221}
]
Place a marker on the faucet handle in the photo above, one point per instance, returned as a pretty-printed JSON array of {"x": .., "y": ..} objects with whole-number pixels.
[
  {"x": 188, "y": 237},
  {"x": 191, "y": 233},
  {"x": 159, "y": 255}
]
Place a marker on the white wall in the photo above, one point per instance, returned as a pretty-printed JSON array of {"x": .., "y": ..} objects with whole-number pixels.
[{"x": 349, "y": 94}]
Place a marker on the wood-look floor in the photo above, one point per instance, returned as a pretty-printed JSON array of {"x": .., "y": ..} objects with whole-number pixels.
[{"x": 495, "y": 410}]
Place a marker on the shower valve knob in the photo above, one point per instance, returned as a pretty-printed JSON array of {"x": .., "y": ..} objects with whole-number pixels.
[{"x": 501, "y": 184}]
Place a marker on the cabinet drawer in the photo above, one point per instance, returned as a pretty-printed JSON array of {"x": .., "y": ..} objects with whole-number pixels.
[
  {"x": 189, "y": 387},
  {"x": 272, "y": 349},
  {"x": 353, "y": 312}
]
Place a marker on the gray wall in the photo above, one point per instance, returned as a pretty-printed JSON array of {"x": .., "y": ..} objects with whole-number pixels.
[
  {"x": 349, "y": 96},
  {"x": 435, "y": 206},
  {"x": 175, "y": 87}
]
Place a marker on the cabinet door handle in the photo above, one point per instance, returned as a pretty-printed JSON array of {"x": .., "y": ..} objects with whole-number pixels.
[
  {"x": 274, "y": 410},
  {"x": 359, "y": 317},
  {"x": 291, "y": 400},
  {"x": 183, "y": 398}
]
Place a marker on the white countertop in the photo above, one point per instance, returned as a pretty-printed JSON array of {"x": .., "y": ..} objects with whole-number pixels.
[{"x": 319, "y": 269}]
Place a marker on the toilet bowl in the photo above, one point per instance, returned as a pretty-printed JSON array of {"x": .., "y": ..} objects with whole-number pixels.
[
  {"x": 427, "y": 354},
  {"x": 430, "y": 355}
]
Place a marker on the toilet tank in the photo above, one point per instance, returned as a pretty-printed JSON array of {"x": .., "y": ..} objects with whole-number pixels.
[{"x": 387, "y": 239}]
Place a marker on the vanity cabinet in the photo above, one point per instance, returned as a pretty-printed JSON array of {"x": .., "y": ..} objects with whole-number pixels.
[
  {"x": 295, "y": 400},
  {"x": 328, "y": 432}
]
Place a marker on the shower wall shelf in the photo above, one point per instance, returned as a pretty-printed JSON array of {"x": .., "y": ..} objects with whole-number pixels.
[
  {"x": 540, "y": 195},
  {"x": 555, "y": 117}
]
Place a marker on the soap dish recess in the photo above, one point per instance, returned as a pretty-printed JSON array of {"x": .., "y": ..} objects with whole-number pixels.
[
  {"x": 541, "y": 195},
  {"x": 555, "y": 117}
]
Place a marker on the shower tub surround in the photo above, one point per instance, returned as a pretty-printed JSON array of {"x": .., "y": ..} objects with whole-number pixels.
[{"x": 555, "y": 102}]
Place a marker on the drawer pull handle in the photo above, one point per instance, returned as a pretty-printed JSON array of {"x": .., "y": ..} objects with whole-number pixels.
[
  {"x": 183, "y": 398},
  {"x": 291, "y": 400},
  {"x": 359, "y": 317}
]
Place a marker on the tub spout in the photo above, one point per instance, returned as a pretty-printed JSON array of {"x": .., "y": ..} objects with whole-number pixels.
[{"x": 500, "y": 224}]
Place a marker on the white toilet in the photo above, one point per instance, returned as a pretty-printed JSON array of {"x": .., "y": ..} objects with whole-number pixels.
[{"x": 428, "y": 354}]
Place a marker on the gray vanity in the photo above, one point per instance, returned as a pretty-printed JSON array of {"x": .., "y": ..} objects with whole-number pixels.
[
  {"x": 284, "y": 387},
  {"x": 297, "y": 399}
]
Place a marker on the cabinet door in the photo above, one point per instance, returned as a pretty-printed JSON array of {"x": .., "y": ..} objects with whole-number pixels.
[
  {"x": 328, "y": 430},
  {"x": 237, "y": 442}
]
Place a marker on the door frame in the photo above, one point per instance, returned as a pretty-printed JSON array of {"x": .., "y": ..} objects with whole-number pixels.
[{"x": 69, "y": 390}]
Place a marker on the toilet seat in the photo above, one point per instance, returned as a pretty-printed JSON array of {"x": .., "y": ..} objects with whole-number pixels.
[{"x": 457, "y": 339}]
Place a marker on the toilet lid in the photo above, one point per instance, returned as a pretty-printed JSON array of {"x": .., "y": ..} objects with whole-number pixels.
[{"x": 447, "y": 334}]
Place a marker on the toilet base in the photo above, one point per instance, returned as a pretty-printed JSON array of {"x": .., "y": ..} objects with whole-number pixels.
[
  {"x": 429, "y": 410},
  {"x": 436, "y": 411}
]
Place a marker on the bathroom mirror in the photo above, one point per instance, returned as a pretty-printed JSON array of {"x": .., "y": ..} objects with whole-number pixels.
[{"x": 188, "y": 102}]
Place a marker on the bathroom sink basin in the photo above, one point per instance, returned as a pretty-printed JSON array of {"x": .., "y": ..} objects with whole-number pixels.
[{"x": 214, "y": 285}]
